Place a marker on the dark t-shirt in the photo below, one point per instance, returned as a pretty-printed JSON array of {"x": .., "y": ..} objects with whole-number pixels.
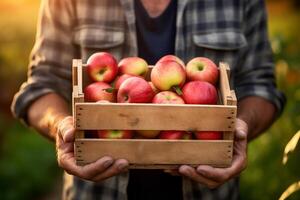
[{"x": 156, "y": 38}]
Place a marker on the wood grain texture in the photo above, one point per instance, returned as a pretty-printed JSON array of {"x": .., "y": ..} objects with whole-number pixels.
[
  {"x": 154, "y": 153},
  {"x": 97, "y": 116},
  {"x": 224, "y": 83}
]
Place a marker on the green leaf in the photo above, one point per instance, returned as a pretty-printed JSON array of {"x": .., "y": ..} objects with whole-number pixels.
[
  {"x": 109, "y": 90},
  {"x": 290, "y": 147},
  {"x": 290, "y": 190}
]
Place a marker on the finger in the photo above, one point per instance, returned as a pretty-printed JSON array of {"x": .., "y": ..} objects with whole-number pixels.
[
  {"x": 88, "y": 171},
  {"x": 192, "y": 174},
  {"x": 241, "y": 129},
  {"x": 120, "y": 165},
  {"x": 91, "y": 170},
  {"x": 223, "y": 174},
  {"x": 66, "y": 129}
]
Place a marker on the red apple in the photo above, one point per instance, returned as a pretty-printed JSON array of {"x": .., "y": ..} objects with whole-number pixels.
[
  {"x": 172, "y": 58},
  {"x": 102, "y": 66},
  {"x": 148, "y": 133},
  {"x": 171, "y": 135},
  {"x": 135, "y": 90},
  {"x": 155, "y": 90},
  {"x": 97, "y": 91},
  {"x": 199, "y": 92},
  {"x": 167, "y": 97},
  {"x": 208, "y": 135},
  {"x": 133, "y": 66},
  {"x": 202, "y": 69},
  {"x": 120, "y": 79},
  {"x": 168, "y": 75},
  {"x": 115, "y": 134}
]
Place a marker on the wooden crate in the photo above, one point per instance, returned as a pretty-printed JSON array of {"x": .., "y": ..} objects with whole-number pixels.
[{"x": 154, "y": 153}]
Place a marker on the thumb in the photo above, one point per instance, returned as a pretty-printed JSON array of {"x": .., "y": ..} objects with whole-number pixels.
[
  {"x": 241, "y": 129},
  {"x": 67, "y": 130}
]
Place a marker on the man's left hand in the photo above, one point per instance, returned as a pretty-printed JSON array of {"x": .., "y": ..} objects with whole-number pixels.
[{"x": 214, "y": 177}]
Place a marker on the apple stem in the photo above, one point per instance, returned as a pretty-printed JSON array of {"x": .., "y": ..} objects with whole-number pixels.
[
  {"x": 177, "y": 90},
  {"x": 109, "y": 90}
]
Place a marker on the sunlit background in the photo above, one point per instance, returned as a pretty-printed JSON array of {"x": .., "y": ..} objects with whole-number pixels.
[{"x": 28, "y": 168}]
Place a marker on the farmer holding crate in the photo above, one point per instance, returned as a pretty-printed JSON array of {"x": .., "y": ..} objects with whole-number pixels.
[{"x": 223, "y": 30}]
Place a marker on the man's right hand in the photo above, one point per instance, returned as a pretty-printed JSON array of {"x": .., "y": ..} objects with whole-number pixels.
[{"x": 101, "y": 169}]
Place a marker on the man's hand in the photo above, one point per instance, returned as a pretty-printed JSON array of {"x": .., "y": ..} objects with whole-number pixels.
[
  {"x": 103, "y": 168},
  {"x": 214, "y": 177}
]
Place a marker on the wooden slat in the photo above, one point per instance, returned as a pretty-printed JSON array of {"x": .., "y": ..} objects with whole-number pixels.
[
  {"x": 79, "y": 77},
  {"x": 95, "y": 116},
  {"x": 224, "y": 83},
  {"x": 148, "y": 153}
]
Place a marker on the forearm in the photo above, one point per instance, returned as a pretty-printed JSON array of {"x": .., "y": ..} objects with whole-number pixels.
[
  {"x": 258, "y": 113},
  {"x": 45, "y": 112}
]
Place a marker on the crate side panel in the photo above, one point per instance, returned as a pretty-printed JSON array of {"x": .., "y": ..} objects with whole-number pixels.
[
  {"x": 152, "y": 152},
  {"x": 97, "y": 116}
]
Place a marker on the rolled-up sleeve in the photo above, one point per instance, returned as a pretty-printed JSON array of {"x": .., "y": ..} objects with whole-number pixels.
[
  {"x": 255, "y": 75},
  {"x": 51, "y": 58}
]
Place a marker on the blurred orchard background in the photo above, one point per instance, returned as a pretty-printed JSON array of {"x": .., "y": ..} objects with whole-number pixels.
[{"x": 28, "y": 168}]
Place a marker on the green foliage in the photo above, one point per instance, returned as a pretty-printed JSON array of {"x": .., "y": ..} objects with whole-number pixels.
[
  {"x": 266, "y": 177},
  {"x": 28, "y": 166}
]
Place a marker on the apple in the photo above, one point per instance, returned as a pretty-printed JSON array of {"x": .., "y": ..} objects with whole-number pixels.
[
  {"x": 172, "y": 58},
  {"x": 168, "y": 75},
  {"x": 148, "y": 133},
  {"x": 208, "y": 135},
  {"x": 155, "y": 90},
  {"x": 98, "y": 91},
  {"x": 102, "y": 66},
  {"x": 187, "y": 136},
  {"x": 135, "y": 90},
  {"x": 120, "y": 79},
  {"x": 202, "y": 69},
  {"x": 133, "y": 66},
  {"x": 167, "y": 97},
  {"x": 115, "y": 134},
  {"x": 199, "y": 92},
  {"x": 171, "y": 135}
]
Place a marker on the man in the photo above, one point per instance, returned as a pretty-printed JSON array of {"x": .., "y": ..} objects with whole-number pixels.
[{"x": 233, "y": 31}]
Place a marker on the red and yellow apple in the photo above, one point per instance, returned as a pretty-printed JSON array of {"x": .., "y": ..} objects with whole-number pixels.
[
  {"x": 98, "y": 91},
  {"x": 171, "y": 135},
  {"x": 155, "y": 90},
  {"x": 120, "y": 79},
  {"x": 208, "y": 135},
  {"x": 172, "y": 58},
  {"x": 102, "y": 66},
  {"x": 199, "y": 92},
  {"x": 168, "y": 75},
  {"x": 167, "y": 97},
  {"x": 115, "y": 134},
  {"x": 148, "y": 133},
  {"x": 135, "y": 90},
  {"x": 202, "y": 69},
  {"x": 133, "y": 66}
]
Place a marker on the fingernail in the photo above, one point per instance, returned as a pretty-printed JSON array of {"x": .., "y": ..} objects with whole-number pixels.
[
  {"x": 107, "y": 163},
  {"x": 187, "y": 171},
  {"x": 201, "y": 171},
  {"x": 122, "y": 166}
]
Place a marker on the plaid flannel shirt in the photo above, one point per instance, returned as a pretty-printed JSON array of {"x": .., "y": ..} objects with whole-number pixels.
[{"x": 233, "y": 31}]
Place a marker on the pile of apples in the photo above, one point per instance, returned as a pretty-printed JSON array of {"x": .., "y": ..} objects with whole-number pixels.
[{"x": 171, "y": 83}]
